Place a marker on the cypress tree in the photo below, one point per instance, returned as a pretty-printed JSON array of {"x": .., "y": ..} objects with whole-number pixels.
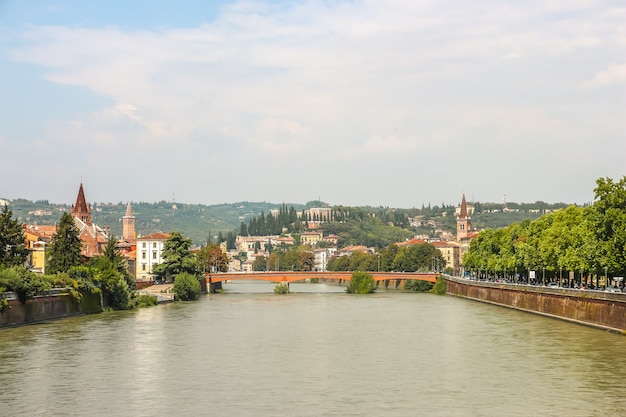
[
  {"x": 13, "y": 252},
  {"x": 65, "y": 246}
]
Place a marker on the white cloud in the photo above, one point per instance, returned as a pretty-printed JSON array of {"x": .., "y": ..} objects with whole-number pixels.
[
  {"x": 346, "y": 80},
  {"x": 614, "y": 74}
]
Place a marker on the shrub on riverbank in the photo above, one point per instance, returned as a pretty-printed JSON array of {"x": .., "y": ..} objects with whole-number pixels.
[
  {"x": 186, "y": 287},
  {"x": 418, "y": 285},
  {"x": 440, "y": 287},
  {"x": 361, "y": 283},
  {"x": 281, "y": 288},
  {"x": 145, "y": 300}
]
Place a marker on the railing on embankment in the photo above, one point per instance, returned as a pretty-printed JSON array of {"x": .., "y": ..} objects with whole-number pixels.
[{"x": 599, "y": 309}]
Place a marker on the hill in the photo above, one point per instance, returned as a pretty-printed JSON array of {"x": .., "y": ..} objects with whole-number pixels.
[{"x": 198, "y": 221}]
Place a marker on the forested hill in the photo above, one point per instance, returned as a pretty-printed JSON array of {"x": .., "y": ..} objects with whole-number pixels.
[
  {"x": 198, "y": 221},
  {"x": 194, "y": 220}
]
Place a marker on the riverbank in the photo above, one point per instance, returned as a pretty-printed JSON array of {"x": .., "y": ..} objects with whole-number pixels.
[{"x": 601, "y": 310}]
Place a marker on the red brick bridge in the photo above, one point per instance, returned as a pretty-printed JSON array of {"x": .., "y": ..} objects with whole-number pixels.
[{"x": 291, "y": 276}]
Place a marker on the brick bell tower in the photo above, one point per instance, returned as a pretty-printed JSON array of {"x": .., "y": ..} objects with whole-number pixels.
[
  {"x": 128, "y": 225},
  {"x": 463, "y": 224},
  {"x": 81, "y": 209}
]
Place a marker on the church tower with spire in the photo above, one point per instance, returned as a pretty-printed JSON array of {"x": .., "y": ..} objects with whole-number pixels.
[
  {"x": 128, "y": 225},
  {"x": 81, "y": 209},
  {"x": 463, "y": 224}
]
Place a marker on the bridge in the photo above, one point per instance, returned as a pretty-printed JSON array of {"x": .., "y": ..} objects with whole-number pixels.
[{"x": 293, "y": 276}]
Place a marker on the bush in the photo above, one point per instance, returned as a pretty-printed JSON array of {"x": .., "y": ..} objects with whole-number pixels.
[
  {"x": 281, "y": 288},
  {"x": 186, "y": 287},
  {"x": 145, "y": 300},
  {"x": 440, "y": 287},
  {"x": 25, "y": 283},
  {"x": 418, "y": 285},
  {"x": 361, "y": 283}
]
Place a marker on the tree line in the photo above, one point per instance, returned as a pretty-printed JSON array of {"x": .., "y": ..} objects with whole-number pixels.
[{"x": 587, "y": 241}]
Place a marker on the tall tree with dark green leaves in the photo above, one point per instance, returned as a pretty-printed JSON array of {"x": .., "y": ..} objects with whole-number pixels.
[
  {"x": 13, "y": 251},
  {"x": 607, "y": 217},
  {"x": 64, "y": 250},
  {"x": 177, "y": 256}
]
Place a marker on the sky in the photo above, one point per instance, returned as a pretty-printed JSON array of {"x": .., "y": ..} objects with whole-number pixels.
[{"x": 383, "y": 103}]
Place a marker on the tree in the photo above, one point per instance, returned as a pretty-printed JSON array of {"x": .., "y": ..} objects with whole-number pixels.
[
  {"x": 259, "y": 264},
  {"x": 13, "y": 251},
  {"x": 177, "y": 256},
  {"x": 361, "y": 283},
  {"x": 210, "y": 257},
  {"x": 607, "y": 218},
  {"x": 186, "y": 287},
  {"x": 64, "y": 250}
]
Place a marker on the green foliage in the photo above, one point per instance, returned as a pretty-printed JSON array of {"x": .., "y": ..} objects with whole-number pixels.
[
  {"x": 418, "y": 285},
  {"x": 64, "y": 250},
  {"x": 186, "y": 287},
  {"x": 145, "y": 300},
  {"x": 361, "y": 283},
  {"x": 25, "y": 283},
  {"x": 115, "y": 288},
  {"x": 588, "y": 240},
  {"x": 440, "y": 287},
  {"x": 4, "y": 303},
  {"x": 178, "y": 258},
  {"x": 259, "y": 264},
  {"x": 419, "y": 257},
  {"x": 12, "y": 248},
  {"x": 281, "y": 288}
]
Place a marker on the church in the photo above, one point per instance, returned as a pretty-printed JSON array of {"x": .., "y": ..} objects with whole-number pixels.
[{"x": 93, "y": 237}]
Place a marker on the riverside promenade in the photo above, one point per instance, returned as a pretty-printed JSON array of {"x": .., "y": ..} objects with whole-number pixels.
[{"x": 598, "y": 309}]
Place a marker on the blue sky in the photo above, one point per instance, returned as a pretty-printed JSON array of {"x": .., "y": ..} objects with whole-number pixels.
[{"x": 395, "y": 103}]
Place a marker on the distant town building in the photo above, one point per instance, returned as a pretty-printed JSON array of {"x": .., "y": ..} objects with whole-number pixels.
[
  {"x": 149, "y": 254},
  {"x": 320, "y": 258},
  {"x": 451, "y": 252}
]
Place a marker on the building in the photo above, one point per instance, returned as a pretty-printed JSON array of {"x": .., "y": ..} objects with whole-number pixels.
[
  {"x": 321, "y": 257},
  {"x": 37, "y": 239},
  {"x": 349, "y": 250},
  {"x": 93, "y": 237},
  {"x": 128, "y": 225},
  {"x": 451, "y": 252},
  {"x": 310, "y": 238},
  {"x": 149, "y": 254}
]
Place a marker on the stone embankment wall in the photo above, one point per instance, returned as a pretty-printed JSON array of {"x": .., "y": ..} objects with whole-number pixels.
[
  {"x": 39, "y": 309},
  {"x": 594, "y": 308},
  {"x": 55, "y": 305}
]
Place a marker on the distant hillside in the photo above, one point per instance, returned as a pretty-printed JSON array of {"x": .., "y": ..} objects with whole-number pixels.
[
  {"x": 198, "y": 221},
  {"x": 193, "y": 220}
]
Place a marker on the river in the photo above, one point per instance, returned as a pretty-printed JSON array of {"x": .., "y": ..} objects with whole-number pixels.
[{"x": 316, "y": 352}]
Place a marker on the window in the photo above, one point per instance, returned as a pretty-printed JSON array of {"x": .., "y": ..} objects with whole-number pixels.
[
  {"x": 143, "y": 255},
  {"x": 143, "y": 267},
  {"x": 154, "y": 245},
  {"x": 153, "y": 254},
  {"x": 144, "y": 245}
]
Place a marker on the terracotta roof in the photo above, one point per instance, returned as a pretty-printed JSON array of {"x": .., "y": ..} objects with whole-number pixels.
[
  {"x": 411, "y": 242},
  {"x": 445, "y": 244},
  {"x": 155, "y": 236}
]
